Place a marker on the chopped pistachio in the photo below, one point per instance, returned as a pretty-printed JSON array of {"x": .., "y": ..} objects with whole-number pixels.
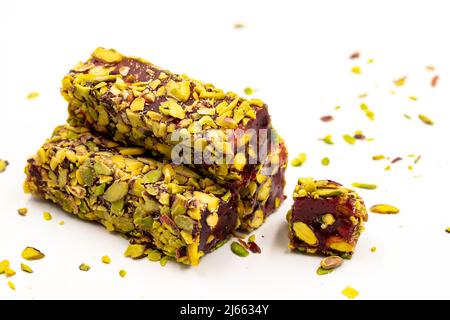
[
  {"x": 179, "y": 90},
  {"x": 350, "y": 292},
  {"x": 356, "y": 69},
  {"x": 138, "y": 104},
  {"x": 26, "y": 268},
  {"x": 384, "y": 209},
  {"x": 400, "y": 82},
  {"x": 152, "y": 176},
  {"x": 364, "y": 185},
  {"x": 304, "y": 233},
  {"x": 84, "y": 267},
  {"x": 184, "y": 222},
  {"x": 32, "y": 95},
  {"x": 370, "y": 60},
  {"x": 11, "y": 285},
  {"x": 369, "y": 113},
  {"x": 4, "y": 265},
  {"x": 30, "y": 253},
  {"x": 135, "y": 251},
  {"x": 47, "y": 216},
  {"x": 378, "y": 157},
  {"x": 172, "y": 108},
  {"x": 328, "y": 139},
  {"x": 239, "y": 26},
  {"x": 447, "y": 230},
  {"x": 252, "y": 238},
  {"x": 325, "y": 161},
  {"x": 22, "y": 211},
  {"x": 331, "y": 262},
  {"x": 297, "y": 162},
  {"x": 163, "y": 261},
  {"x": 248, "y": 91},
  {"x": 122, "y": 273},
  {"x": 116, "y": 191},
  {"x": 373, "y": 249},
  {"x": 110, "y": 56},
  {"x": 106, "y": 260},
  {"x": 239, "y": 250},
  {"x": 413, "y": 98},
  {"x": 349, "y": 139},
  {"x": 9, "y": 272},
  {"x": 407, "y": 116},
  {"x": 321, "y": 271},
  {"x": 387, "y": 168},
  {"x": 154, "y": 255},
  {"x": 425, "y": 119},
  {"x": 61, "y": 223},
  {"x": 3, "y": 165}
]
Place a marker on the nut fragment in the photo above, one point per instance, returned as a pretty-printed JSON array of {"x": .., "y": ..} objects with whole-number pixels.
[
  {"x": 30, "y": 253},
  {"x": 106, "y": 260},
  {"x": 364, "y": 185},
  {"x": 350, "y": 292},
  {"x": 106, "y": 55},
  {"x": 4, "y": 265},
  {"x": 326, "y": 192},
  {"x": 349, "y": 139},
  {"x": 297, "y": 162},
  {"x": 239, "y": 250},
  {"x": 325, "y": 161},
  {"x": 426, "y": 120},
  {"x": 122, "y": 273},
  {"x": 3, "y": 165},
  {"x": 26, "y": 268},
  {"x": 32, "y": 95},
  {"x": 184, "y": 222},
  {"x": 84, "y": 267},
  {"x": 304, "y": 233},
  {"x": 135, "y": 251},
  {"x": 447, "y": 230},
  {"x": 11, "y": 285},
  {"x": 116, "y": 191},
  {"x": 47, "y": 216},
  {"x": 22, "y": 211},
  {"x": 321, "y": 271},
  {"x": 331, "y": 262},
  {"x": 328, "y": 139},
  {"x": 384, "y": 209}
]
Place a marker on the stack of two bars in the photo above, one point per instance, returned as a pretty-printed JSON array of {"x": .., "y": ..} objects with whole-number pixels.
[{"x": 119, "y": 161}]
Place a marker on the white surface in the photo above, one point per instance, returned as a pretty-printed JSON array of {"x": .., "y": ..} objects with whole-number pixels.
[{"x": 295, "y": 53}]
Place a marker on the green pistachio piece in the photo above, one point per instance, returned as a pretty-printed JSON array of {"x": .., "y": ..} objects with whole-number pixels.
[
  {"x": 138, "y": 104},
  {"x": 184, "y": 222},
  {"x": 110, "y": 56},
  {"x": 179, "y": 90},
  {"x": 85, "y": 173},
  {"x": 101, "y": 168},
  {"x": 325, "y": 193},
  {"x": 135, "y": 251},
  {"x": 116, "y": 191},
  {"x": 152, "y": 176},
  {"x": 172, "y": 108},
  {"x": 239, "y": 250},
  {"x": 84, "y": 267}
]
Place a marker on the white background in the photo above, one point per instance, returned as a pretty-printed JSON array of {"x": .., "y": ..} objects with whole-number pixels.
[{"x": 295, "y": 53}]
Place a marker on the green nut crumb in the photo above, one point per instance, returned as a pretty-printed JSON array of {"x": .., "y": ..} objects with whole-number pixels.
[
  {"x": 426, "y": 120},
  {"x": 47, "y": 216},
  {"x": 248, "y": 91},
  {"x": 384, "y": 209},
  {"x": 30, "y": 253},
  {"x": 84, "y": 267},
  {"x": 356, "y": 70},
  {"x": 373, "y": 249},
  {"x": 135, "y": 251},
  {"x": 350, "y": 292},
  {"x": 164, "y": 260},
  {"x": 32, "y": 95},
  {"x": 154, "y": 255},
  {"x": 447, "y": 230},
  {"x": 349, "y": 139},
  {"x": 22, "y": 211},
  {"x": 4, "y": 265},
  {"x": 413, "y": 98},
  {"x": 239, "y": 250},
  {"x": 61, "y": 223},
  {"x": 299, "y": 161},
  {"x": 252, "y": 238},
  {"x": 11, "y": 285},
  {"x": 122, "y": 273},
  {"x": 26, "y": 268},
  {"x": 328, "y": 139},
  {"x": 325, "y": 161},
  {"x": 321, "y": 271},
  {"x": 3, "y": 165},
  {"x": 106, "y": 260},
  {"x": 367, "y": 186}
]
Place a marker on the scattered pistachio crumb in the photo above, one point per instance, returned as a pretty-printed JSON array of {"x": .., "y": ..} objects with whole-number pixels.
[
  {"x": 9, "y": 272},
  {"x": 392, "y": 92},
  {"x": 410, "y": 167},
  {"x": 337, "y": 108},
  {"x": 61, "y": 223},
  {"x": 84, "y": 267},
  {"x": 407, "y": 116},
  {"x": 356, "y": 70},
  {"x": 325, "y": 161},
  {"x": 369, "y": 113},
  {"x": 328, "y": 139},
  {"x": 447, "y": 230},
  {"x": 378, "y": 157},
  {"x": 163, "y": 261},
  {"x": 400, "y": 82},
  {"x": 135, "y": 251},
  {"x": 122, "y": 273},
  {"x": 239, "y": 26},
  {"x": 384, "y": 209},
  {"x": 154, "y": 255},
  {"x": 11, "y": 285},
  {"x": 106, "y": 260},
  {"x": 425, "y": 119},
  {"x": 47, "y": 216},
  {"x": 370, "y": 61},
  {"x": 387, "y": 168},
  {"x": 349, "y": 139},
  {"x": 3, "y": 266},
  {"x": 238, "y": 249},
  {"x": 367, "y": 186},
  {"x": 362, "y": 95},
  {"x": 252, "y": 238},
  {"x": 350, "y": 292},
  {"x": 321, "y": 271},
  {"x": 373, "y": 249},
  {"x": 30, "y": 253},
  {"x": 248, "y": 91},
  {"x": 26, "y": 268},
  {"x": 299, "y": 161},
  {"x": 33, "y": 95},
  {"x": 22, "y": 211},
  {"x": 3, "y": 165},
  {"x": 413, "y": 98}
]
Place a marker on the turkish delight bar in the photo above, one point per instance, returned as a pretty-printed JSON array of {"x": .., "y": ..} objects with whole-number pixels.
[
  {"x": 326, "y": 218},
  {"x": 160, "y": 205},
  {"x": 137, "y": 103},
  {"x": 265, "y": 193}
]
